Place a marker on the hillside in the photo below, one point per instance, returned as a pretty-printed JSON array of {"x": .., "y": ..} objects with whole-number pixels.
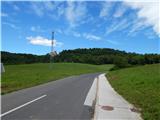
[
  {"x": 22, "y": 76},
  {"x": 140, "y": 86},
  {"x": 96, "y": 56},
  {"x": 19, "y": 58}
]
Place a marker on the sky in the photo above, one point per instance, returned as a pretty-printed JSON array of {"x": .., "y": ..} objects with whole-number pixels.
[{"x": 26, "y": 26}]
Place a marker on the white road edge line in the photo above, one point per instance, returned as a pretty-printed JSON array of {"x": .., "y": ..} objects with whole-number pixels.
[
  {"x": 91, "y": 94},
  {"x": 12, "y": 110}
]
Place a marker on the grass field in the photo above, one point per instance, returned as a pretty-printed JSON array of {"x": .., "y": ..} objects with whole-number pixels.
[
  {"x": 141, "y": 87},
  {"x": 22, "y": 76}
]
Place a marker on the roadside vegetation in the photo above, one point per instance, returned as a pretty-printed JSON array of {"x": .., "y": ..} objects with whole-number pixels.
[
  {"x": 17, "y": 77},
  {"x": 141, "y": 87}
]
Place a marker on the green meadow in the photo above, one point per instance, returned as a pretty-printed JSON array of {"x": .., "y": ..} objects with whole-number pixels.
[
  {"x": 17, "y": 77},
  {"x": 141, "y": 87}
]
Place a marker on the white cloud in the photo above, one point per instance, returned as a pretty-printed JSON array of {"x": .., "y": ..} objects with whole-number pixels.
[
  {"x": 149, "y": 12},
  {"x": 49, "y": 5},
  {"x": 70, "y": 12},
  {"x": 76, "y": 34},
  {"x": 16, "y": 8},
  {"x": 75, "y": 12},
  {"x": 120, "y": 11},
  {"x": 91, "y": 37},
  {"x": 4, "y": 14},
  {"x": 55, "y": 9},
  {"x": 33, "y": 28},
  {"x": 60, "y": 10},
  {"x": 38, "y": 8},
  {"x": 52, "y": 9},
  {"x": 43, "y": 41},
  {"x": 59, "y": 31},
  {"x": 113, "y": 42},
  {"x": 137, "y": 25},
  {"x": 41, "y": 8},
  {"x": 11, "y": 25},
  {"x": 36, "y": 29},
  {"x": 105, "y": 9},
  {"x": 87, "y": 36},
  {"x": 117, "y": 26}
]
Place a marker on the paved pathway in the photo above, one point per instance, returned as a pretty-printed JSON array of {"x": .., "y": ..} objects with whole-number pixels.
[{"x": 109, "y": 104}]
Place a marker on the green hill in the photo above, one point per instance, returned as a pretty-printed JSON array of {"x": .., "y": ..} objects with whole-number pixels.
[
  {"x": 22, "y": 76},
  {"x": 96, "y": 56},
  {"x": 140, "y": 86}
]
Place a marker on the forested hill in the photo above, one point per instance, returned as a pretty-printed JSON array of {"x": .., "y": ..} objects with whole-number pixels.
[
  {"x": 91, "y": 56},
  {"x": 19, "y": 58},
  {"x": 105, "y": 56}
]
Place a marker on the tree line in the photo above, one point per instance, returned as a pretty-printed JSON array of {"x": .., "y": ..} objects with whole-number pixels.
[
  {"x": 18, "y": 58},
  {"x": 96, "y": 56},
  {"x": 101, "y": 56}
]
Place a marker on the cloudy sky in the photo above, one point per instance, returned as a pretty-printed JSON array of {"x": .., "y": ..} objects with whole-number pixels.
[{"x": 129, "y": 26}]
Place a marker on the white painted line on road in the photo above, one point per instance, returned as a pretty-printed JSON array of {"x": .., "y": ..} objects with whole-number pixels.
[
  {"x": 91, "y": 94},
  {"x": 22, "y": 105}
]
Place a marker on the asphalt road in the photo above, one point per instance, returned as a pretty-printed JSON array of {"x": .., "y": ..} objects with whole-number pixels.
[{"x": 61, "y": 99}]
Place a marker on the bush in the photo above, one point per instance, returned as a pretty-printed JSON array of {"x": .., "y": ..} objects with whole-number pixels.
[{"x": 120, "y": 62}]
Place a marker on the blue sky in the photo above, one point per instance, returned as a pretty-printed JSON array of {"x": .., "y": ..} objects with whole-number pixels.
[{"x": 129, "y": 26}]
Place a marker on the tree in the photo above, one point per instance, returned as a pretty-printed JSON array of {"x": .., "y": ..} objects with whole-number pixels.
[{"x": 120, "y": 62}]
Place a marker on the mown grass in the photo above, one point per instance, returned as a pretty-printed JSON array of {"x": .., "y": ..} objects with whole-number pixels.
[
  {"x": 17, "y": 77},
  {"x": 141, "y": 87}
]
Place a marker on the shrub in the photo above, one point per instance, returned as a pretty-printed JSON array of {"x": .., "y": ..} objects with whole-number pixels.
[{"x": 120, "y": 62}]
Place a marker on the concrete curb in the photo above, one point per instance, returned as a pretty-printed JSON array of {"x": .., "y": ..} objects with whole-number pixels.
[{"x": 110, "y": 105}]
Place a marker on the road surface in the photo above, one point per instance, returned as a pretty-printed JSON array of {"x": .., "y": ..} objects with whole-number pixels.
[{"x": 61, "y": 99}]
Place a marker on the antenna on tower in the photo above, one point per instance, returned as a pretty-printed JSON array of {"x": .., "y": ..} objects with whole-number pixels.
[
  {"x": 52, "y": 42},
  {"x": 52, "y": 53}
]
